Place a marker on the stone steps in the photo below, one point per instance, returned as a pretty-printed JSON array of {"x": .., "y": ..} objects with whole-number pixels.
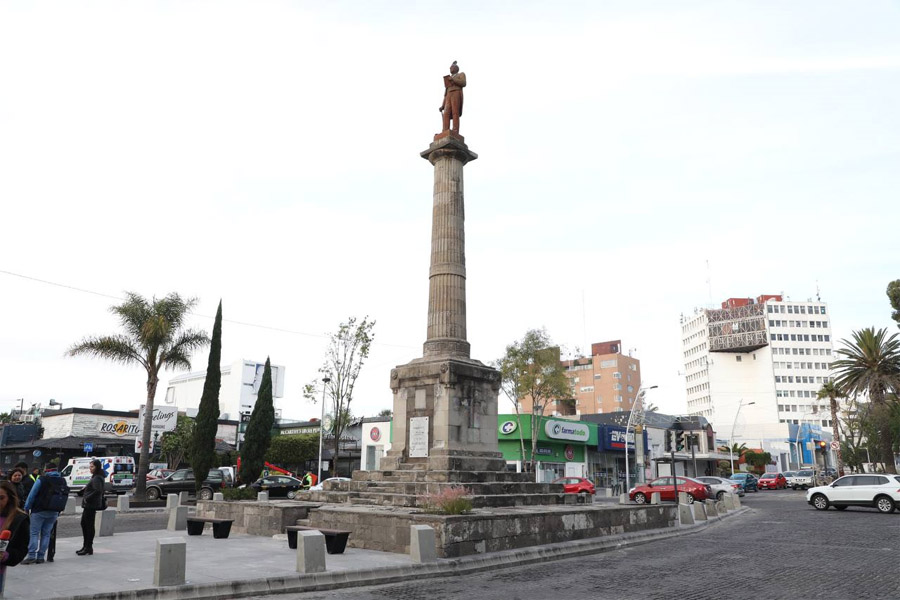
[{"x": 476, "y": 488}]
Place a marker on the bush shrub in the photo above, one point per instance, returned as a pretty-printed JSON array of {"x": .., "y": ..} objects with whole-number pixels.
[
  {"x": 247, "y": 493},
  {"x": 449, "y": 501}
]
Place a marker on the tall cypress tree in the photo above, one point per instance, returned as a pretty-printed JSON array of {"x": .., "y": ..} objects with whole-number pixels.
[
  {"x": 259, "y": 430},
  {"x": 203, "y": 444}
]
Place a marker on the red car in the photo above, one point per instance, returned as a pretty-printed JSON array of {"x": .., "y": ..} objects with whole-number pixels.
[
  {"x": 665, "y": 486},
  {"x": 772, "y": 481},
  {"x": 576, "y": 485}
]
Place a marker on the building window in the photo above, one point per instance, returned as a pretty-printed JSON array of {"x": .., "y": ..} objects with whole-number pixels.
[
  {"x": 617, "y": 375},
  {"x": 738, "y": 358}
]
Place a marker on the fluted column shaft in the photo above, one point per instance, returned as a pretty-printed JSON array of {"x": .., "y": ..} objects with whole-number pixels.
[{"x": 446, "y": 335}]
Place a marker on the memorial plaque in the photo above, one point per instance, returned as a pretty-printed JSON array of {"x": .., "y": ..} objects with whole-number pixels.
[{"x": 418, "y": 437}]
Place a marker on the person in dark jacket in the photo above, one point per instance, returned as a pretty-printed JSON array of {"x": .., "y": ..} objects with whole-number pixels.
[
  {"x": 27, "y": 481},
  {"x": 17, "y": 522},
  {"x": 16, "y": 478},
  {"x": 92, "y": 502}
]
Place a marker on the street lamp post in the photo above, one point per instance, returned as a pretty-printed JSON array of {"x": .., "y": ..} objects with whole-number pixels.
[
  {"x": 731, "y": 439},
  {"x": 639, "y": 403},
  {"x": 325, "y": 381}
]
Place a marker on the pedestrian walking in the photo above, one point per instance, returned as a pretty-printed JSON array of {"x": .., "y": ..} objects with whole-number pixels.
[
  {"x": 92, "y": 502},
  {"x": 14, "y": 520},
  {"x": 45, "y": 501}
]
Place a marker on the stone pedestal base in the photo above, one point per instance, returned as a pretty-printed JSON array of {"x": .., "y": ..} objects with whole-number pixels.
[{"x": 459, "y": 397}]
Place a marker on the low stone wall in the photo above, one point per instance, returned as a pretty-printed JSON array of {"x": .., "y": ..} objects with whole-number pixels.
[
  {"x": 489, "y": 530},
  {"x": 256, "y": 518}
]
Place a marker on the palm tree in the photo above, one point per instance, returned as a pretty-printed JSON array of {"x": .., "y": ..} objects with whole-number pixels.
[
  {"x": 734, "y": 448},
  {"x": 155, "y": 340},
  {"x": 870, "y": 365},
  {"x": 832, "y": 392}
]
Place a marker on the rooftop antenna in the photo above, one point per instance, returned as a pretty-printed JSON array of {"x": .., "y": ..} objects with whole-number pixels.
[
  {"x": 583, "y": 321},
  {"x": 818, "y": 295}
]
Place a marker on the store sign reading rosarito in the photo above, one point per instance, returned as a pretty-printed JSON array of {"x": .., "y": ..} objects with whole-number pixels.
[
  {"x": 564, "y": 430},
  {"x": 118, "y": 428}
]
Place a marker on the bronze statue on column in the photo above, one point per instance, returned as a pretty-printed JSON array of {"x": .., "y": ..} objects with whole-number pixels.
[{"x": 452, "y": 106}]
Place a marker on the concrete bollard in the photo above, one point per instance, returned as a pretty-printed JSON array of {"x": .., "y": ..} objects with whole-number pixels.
[
  {"x": 728, "y": 499},
  {"x": 262, "y": 497},
  {"x": 70, "y": 506},
  {"x": 171, "y": 561},
  {"x": 682, "y": 498},
  {"x": 699, "y": 511},
  {"x": 623, "y": 499},
  {"x": 171, "y": 501},
  {"x": 721, "y": 508},
  {"x": 310, "y": 552},
  {"x": 737, "y": 501},
  {"x": 123, "y": 503},
  {"x": 654, "y": 498},
  {"x": 711, "y": 509},
  {"x": 422, "y": 544},
  {"x": 178, "y": 518},
  {"x": 218, "y": 497},
  {"x": 105, "y": 523},
  {"x": 685, "y": 514},
  {"x": 183, "y": 498}
]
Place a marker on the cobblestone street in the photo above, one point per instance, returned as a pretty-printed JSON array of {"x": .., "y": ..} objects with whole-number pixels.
[{"x": 782, "y": 548}]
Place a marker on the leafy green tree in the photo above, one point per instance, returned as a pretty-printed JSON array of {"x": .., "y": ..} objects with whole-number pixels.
[
  {"x": 893, "y": 293},
  {"x": 870, "y": 366},
  {"x": 5, "y": 418},
  {"x": 175, "y": 443},
  {"x": 757, "y": 460},
  {"x": 293, "y": 451},
  {"x": 154, "y": 339},
  {"x": 348, "y": 350},
  {"x": 833, "y": 392},
  {"x": 530, "y": 369},
  {"x": 259, "y": 430},
  {"x": 386, "y": 412},
  {"x": 737, "y": 449},
  {"x": 203, "y": 446}
]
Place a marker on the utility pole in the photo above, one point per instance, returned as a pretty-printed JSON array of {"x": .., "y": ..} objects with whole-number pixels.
[{"x": 693, "y": 455}]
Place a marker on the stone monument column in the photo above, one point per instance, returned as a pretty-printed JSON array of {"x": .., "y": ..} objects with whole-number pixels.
[
  {"x": 447, "y": 277},
  {"x": 445, "y": 403}
]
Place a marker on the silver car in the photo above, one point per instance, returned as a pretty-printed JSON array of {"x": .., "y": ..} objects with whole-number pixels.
[{"x": 721, "y": 486}]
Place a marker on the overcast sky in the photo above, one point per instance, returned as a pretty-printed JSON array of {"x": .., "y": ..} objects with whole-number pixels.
[{"x": 267, "y": 153}]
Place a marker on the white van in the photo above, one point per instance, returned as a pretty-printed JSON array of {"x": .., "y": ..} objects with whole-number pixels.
[{"x": 118, "y": 472}]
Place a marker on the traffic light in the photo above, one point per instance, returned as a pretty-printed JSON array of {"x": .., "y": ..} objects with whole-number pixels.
[
  {"x": 679, "y": 441},
  {"x": 822, "y": 445},
  {"x": 670, "y": 438}
]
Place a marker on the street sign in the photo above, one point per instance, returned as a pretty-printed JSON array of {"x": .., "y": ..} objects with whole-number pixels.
[
  {"x": 835, "y": 444},
  {"x": 138, "y": 444},
  {"x": 88, "y": 447},
  {"x": 36, "y": 453}
]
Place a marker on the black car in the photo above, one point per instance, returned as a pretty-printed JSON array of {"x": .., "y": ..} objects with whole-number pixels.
[
  {"x": 278, "y": 486},
  {"x": 182, "y": 480}
]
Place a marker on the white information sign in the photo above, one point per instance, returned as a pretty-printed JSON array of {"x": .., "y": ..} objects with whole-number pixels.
[
  {"x": 164, "y": 419},
  {"x": 418, "y": 437}
]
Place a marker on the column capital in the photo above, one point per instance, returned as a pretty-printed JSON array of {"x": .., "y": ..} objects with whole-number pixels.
[{"x": 450, "y": 146}]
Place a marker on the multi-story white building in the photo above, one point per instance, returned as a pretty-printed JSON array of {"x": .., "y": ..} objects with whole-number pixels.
[
  {"x": 755, "y": 366},
  {"x": 237, "y": 395}
]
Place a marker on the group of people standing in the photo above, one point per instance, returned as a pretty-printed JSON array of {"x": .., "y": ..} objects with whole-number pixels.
[{"x": 29, "y": 509}]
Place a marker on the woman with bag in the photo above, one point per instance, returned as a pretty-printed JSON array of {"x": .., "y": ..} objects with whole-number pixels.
[{"x": 92, "y": 502}]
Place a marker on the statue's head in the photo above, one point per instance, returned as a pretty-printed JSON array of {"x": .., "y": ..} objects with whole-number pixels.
[{"x": 454, "y": 69}]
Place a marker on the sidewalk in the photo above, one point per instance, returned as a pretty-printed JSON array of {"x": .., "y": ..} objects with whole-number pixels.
[{"x": 122, "y": 566}]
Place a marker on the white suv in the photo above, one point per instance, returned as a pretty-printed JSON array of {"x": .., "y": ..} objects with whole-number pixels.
[{"x": 880, "y": 491}]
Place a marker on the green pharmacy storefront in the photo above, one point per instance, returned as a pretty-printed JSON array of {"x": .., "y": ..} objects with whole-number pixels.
[{"x": 561, "y": 445}]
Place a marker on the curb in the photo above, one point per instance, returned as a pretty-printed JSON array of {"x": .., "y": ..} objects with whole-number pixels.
[{"x": 331, "y": 580}]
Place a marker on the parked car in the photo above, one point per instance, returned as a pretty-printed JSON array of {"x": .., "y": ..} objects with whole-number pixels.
[
  {"x": 278, "y": 486},
  {"x": 772, "y": 481},
  {"x": 159, "y": 474},
  {"x": 748, "y": 481},
  {"x": 182, "y": 480},
  {"x": 576, "y": 485},
  {"x": 788, "y": 475},
  {"x": 665, "y": 486},
  {"x": 319, "y": 486},
  {"x": 879, "y": 491},
  {"x": 721, "y": 486},
  {"x": 803, "y": 479}
]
